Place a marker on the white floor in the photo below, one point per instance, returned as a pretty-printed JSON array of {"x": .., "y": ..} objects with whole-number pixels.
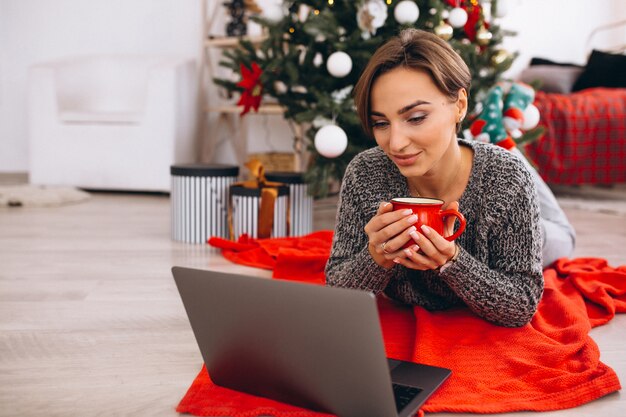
[{"x": 91, "y": 323}]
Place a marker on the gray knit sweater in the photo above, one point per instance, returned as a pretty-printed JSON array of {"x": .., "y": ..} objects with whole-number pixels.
[{"x": 498, "y": 272}]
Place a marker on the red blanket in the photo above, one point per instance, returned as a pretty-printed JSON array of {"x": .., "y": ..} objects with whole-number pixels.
[
  {"x": 551, "y": 363},
  {"x": 585, "y": 137}
]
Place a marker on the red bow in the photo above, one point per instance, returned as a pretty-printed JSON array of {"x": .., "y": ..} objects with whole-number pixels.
[{"x": 253, "y": 89}]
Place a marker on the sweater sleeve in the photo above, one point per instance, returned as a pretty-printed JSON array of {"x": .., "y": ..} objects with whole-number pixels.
[
  {"x": 350, "y": 264},
  {"x": 505, "y": 290}
]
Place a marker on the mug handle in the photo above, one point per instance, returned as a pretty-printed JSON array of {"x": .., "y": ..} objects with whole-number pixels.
[{"x": 451, "y": 212}]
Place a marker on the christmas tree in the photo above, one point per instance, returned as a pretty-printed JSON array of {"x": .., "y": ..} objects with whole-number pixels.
[{"x": 315, "y": 50}]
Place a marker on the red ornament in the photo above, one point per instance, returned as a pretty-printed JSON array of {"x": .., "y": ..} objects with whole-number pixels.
[{"x": 253, "y": 89}]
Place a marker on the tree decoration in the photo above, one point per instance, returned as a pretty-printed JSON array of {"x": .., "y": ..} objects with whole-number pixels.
[
  {"x": 444, "y": 31},
  {"x": 406, "y": 12},
  {"x": 318, "y": 59},
  {"x": 252, "y": 88},
  {"x": 315, "y": 51},
  {"x": 484, "y": 72},
  {"x": 474, "y": 16},
  {"x": 457, "y": 17},
  {"x": 331, "y": 141},
  {"x": 371, "y": 16},
  {"x": 237, "y": 25},
  {"x": 483, "y": 36},
  {"x": 499, "y": 57},
  {"x": 280, "y": 87},
  {"x": 339, "y": 64}
]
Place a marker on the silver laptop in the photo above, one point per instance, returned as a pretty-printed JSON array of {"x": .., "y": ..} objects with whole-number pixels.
[{"x": 311, "y": 346}]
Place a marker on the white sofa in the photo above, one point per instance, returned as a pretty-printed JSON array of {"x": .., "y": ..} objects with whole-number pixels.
[{"x": 111, "y": 122}]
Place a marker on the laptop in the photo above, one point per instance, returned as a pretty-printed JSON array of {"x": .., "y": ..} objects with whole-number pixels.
[{"x": 311, "y": 346}]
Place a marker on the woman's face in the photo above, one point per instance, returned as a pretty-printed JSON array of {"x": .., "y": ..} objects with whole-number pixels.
[{"x": 412, "y": 121}]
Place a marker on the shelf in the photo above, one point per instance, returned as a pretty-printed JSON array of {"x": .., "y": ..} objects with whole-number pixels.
[
  {"x": 264, "y": 109},
  {"x": 221, "y": 118},
  {"x": 231, "y": 41}
]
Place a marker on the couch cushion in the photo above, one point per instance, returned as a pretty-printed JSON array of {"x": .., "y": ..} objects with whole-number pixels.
[
  {"x": 603, "y": 70},
  {"x": 543, "y": 61},
  {"x": 553, "y": 78}
]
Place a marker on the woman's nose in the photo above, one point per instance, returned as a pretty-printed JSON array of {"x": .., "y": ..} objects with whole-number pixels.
[{"x": 398, "y": 139}]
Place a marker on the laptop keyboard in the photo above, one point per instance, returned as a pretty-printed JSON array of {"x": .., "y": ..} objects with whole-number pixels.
[{"x": 404, "y": 394}]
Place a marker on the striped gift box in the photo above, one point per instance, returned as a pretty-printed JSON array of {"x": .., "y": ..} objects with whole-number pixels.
[
  {"x": 199, "y": 201},
  {"x": 300, "y": 202},
  {"x": 246, "y": 203}
]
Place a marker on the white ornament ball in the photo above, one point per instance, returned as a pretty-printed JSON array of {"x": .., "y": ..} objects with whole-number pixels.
[
  {"x": 331, "y": 141},
  {"x": 457, "y": 17},
  {"x": 339, "y": 64},
  {"x": 273, "y": 12},
  {"x": 406, "y": 12},
  {"x": 531, "y": 117}
]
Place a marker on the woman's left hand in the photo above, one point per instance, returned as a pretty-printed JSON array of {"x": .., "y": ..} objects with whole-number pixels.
[{"x": 431, "y": 250}]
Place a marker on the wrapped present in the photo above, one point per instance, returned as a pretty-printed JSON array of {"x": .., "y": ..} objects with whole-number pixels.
[
  {"x": 258, "y": 207},
  {"x": 300, "y": 201},
  {"x": 199, "y": 201}
]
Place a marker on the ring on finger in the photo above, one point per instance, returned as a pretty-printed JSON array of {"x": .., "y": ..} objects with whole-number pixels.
[{"x": 382, "y": 246}]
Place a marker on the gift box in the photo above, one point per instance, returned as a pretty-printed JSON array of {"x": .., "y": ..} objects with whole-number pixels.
[
  {"x": 258, "y": 207},
  {"x": 199, "y": 201},
  {"x": 246, "y": 212},
  {"x": 300, "y": 202}
]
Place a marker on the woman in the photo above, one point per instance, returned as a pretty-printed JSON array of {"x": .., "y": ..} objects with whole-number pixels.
[{"x": 411, "y": 98}]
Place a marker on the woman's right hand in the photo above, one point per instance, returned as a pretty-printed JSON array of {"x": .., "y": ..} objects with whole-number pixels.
[{"x": 387, "y": 232}]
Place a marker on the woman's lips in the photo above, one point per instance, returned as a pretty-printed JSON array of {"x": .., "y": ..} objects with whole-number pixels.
[{"x": 405, "y": 160}]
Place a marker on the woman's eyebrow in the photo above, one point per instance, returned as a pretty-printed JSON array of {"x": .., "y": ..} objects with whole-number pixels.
[
  {"x": 403, "y": 109},
  {"x": 410, "y": 106}
]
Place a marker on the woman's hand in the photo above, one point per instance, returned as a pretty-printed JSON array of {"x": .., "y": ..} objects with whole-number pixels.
[
  {"x": 387, "y": 232},
  {"x": 431, "y": 250}
]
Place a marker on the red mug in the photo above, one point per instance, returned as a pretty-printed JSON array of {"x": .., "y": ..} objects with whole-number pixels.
[{"x": 429, "y": 213}]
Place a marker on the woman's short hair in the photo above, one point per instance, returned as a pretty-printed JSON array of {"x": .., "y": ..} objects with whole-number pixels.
[{"x": 417, "y": 49}]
